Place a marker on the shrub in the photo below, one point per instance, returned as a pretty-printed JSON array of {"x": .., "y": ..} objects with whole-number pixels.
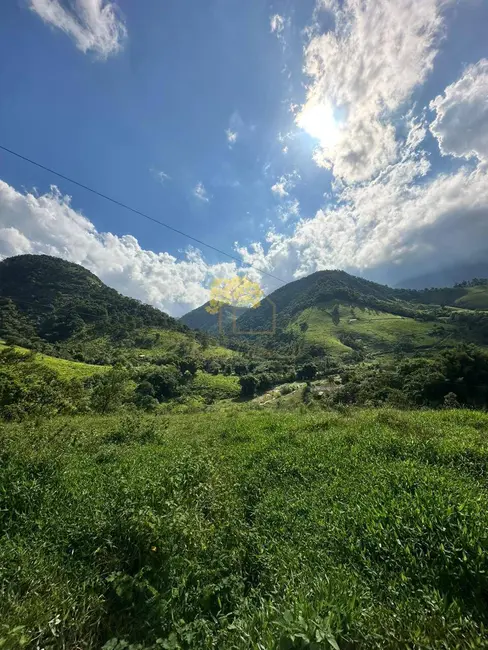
[
  {"x": 307, "y": 371},
  {"x": 109, "y": 390},
  {"x": 249, "y": 385}
]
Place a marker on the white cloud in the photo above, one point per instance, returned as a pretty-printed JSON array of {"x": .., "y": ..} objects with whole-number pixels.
[
  {"x": 284, "y": 184},
  {"x": 235, "y": 129},
  {"x": 461, "y": 123},
  {"x": 161, "y": 176},
  {"x": 231, "y": 136},
  {"x": 363, "y": 71},
  {"x": 277, "y": 24},
  {"x": 289, "y": 210},
  {"x": 48, "y": 224},
  {"x": 395, "y": 227},
  {"x": 93, "y": 24},
  {"x": 279, "y": 188},
  {"x": 200, "y": 192}
]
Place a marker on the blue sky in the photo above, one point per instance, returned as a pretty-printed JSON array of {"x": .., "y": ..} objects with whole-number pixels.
[{"x": 298, "y": 135}]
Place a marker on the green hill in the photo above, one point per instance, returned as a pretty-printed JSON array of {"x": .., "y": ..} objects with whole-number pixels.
[
  {"x": 63, "y": 310},
  {"x": 55, "y": 300},
  {"x": 344, "y": 313},
  {"x": 201, "y": 319},
  {"x": 64, "y": 368}
]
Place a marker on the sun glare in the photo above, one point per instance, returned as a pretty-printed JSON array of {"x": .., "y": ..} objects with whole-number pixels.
[{"x": 319, "y": 122}]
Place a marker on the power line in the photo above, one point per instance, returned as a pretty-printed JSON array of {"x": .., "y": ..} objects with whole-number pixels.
[{"x": 135, "y": 211}]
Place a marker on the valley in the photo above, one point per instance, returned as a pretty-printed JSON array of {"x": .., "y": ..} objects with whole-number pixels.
[{"x": 168, "y": 487}]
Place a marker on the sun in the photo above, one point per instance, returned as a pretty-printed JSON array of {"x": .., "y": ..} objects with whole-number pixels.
[{"x": 318, "y": 121}]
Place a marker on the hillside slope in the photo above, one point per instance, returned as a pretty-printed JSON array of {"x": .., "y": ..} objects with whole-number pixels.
[
  {"x": 62, "y": 309},
  {"x": 246, "y": 529},
  {"x": 343, "y": 313},
  {"x": 57, "y": 299},
  {"x": 201, "y": 319}
]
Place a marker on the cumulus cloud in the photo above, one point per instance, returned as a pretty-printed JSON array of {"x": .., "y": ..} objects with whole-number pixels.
[
  {"x": 394, "y": 226},
  {"x": 279, "y": 188},
  {"x": 200, "y": 192},
  {"x": 289, "y": 210},
  {"x": 92, "y": 24},
  {"x": 48, "y": 224},
  {"x": 362, "y": 71},
  {"x": 461, "y": 123}
]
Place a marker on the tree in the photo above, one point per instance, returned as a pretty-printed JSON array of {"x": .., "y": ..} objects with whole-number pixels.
[
  {"x": 166, "y": 381},
  {"x": 109, "y": 390},
  {"x": 336, "y": 317},
  {"x": 265, "y": 381},
  {"x": 188, "y": 364},
  {"x": 307, "y": 371},
  {"x": 249, "y": 384},
  {"x": 303, "y": 327},
  {"x": 451, "y": 401}
]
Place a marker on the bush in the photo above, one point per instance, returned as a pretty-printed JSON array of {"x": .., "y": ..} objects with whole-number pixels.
[
  {"x": 30, "y": 389},
  {"x": 249, "y": 385},
  {"x": 109, "y": 390},
  {"x": 307, "y": 372},
  {"x": 167, "y": 382}
]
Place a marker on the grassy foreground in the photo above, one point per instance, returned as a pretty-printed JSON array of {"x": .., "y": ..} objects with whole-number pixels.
[{"x": 245, "y": 529}]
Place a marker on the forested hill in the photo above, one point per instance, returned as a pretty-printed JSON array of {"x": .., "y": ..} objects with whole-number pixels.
[
  {"x": 49, "y": 298},
  {"x": 323, "y": 287},
  {"x": 201, "y": 319}
]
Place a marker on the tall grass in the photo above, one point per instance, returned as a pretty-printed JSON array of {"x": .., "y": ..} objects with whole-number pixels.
[{"x": 245, "y": 529}]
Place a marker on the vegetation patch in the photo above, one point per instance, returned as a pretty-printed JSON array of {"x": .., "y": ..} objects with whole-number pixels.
[{"x": 245, "y": 529}]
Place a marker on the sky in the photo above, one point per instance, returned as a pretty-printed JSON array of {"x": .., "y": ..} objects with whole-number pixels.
[{"x": 294, "y": 135}]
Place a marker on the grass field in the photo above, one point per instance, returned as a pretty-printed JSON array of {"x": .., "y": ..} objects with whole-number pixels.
[
  {"x": 170, "y": 342},
  {"x": 376, "y": 330},
  {"x": 65, "y": 369},
  {"x": 475, "y": 298},
  {"x": 245, "y": 529},
  {"x": 216, "y": 386}
]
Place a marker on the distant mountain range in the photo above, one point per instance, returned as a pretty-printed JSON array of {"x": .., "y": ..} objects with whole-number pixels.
[
  {"x": 447, "y": 277},
  {"x": 335, "y": 314},
  {"x": 201, "y": 318}
]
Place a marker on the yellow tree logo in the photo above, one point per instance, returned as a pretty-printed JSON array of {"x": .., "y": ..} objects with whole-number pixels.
[{"x": 238, "y": 292}]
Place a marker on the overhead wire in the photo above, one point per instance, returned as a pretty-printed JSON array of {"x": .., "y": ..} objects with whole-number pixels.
[{"x": 125, "y": 206}]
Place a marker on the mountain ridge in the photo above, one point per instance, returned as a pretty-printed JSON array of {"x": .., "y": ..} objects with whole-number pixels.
[
  {"x": 324, "y": 286},
  {"x": 61, "y": 308},
  {"x": 59, "y": 297}
]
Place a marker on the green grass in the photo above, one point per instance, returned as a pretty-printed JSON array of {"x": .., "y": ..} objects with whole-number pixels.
[
  {"x": 378, "y": 331},
  {"x": 475, "y": 298},
  {"x": 219, "y": 352},
  {"x": 65, "y": 369},
  {"x": 246, "y": 529},
  {"x": 216, "y": 386},
  {"x": 170, "y": 342}
]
